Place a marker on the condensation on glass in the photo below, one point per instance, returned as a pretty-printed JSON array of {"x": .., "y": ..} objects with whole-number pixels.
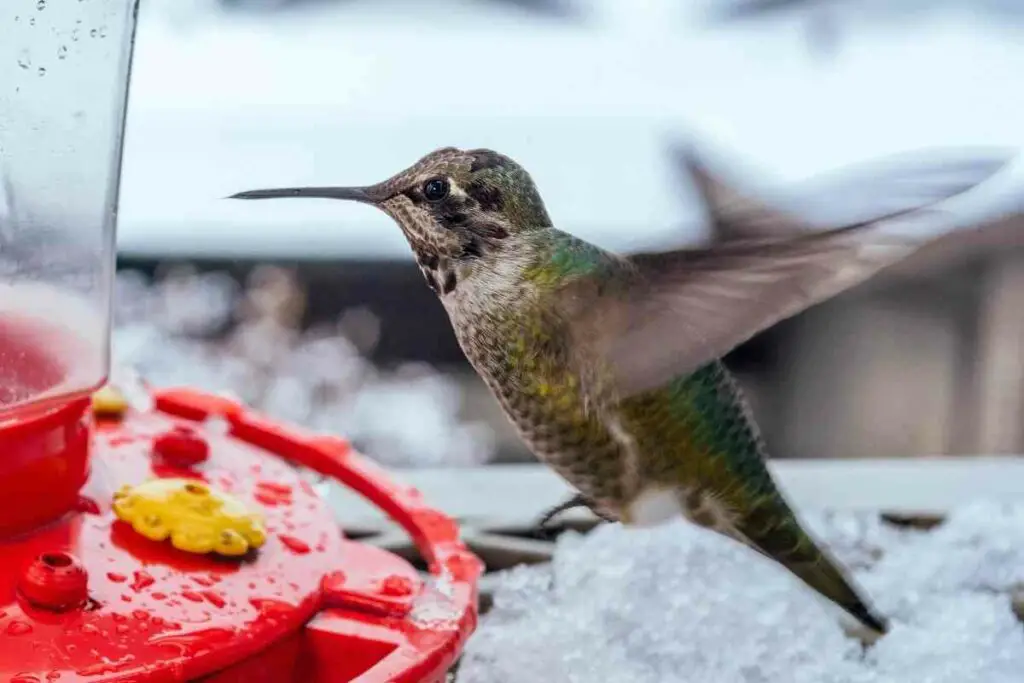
[{"x": 64, "y": 68}]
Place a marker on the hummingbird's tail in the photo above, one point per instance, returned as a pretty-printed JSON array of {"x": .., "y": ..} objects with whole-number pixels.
[
  {"x": 772, "y": 529},
  {"x": 824, "y": 576}
]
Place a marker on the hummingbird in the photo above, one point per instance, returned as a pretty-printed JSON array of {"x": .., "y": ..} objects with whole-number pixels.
[
  {"x": 609, "y": 366},
  {"x": 735, "y": 215}
]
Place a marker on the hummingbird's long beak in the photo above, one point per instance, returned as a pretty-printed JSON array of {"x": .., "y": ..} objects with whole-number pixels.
[{"x": 366, "y": 195}]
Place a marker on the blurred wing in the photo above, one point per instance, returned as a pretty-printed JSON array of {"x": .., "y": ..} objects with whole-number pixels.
[
  {"x": 672, "y": 312},
  {"x": 733, "y": 213},
  {"x": 893, "y": 184}
]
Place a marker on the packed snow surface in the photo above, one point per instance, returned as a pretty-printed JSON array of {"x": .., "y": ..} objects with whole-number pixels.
[{"x": 678, "y": 604}]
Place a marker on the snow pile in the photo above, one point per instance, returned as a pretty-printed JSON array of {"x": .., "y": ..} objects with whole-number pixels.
[
  {"x": 979, "y": 549},
  {"x": 677, "y": 604},
  {"x": 205, "y": 331}
]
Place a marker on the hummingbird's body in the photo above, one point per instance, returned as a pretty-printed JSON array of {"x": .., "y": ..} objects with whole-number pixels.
[
  {"x": 515, "y": 341},
  {"x": 608, "y": 365},
  {"x": 689, "y": 447},
  {"x": 518, "y": 344}
]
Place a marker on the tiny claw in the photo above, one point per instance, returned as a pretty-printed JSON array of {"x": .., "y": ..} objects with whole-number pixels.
[{"x": 576, "y": 501}]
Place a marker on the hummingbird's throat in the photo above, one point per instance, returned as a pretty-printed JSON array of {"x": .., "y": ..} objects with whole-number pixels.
[{"x": 439, "y": 273}]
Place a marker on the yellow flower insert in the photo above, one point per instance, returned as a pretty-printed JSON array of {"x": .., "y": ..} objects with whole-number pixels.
[{"x": 195, "y": 517}]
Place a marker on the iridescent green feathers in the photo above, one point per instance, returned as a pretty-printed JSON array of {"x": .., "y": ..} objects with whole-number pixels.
[
  {"x": 505, "y": 186},
  {"x": 565, "y": 258},
  {"x": 698, "y": 432}
]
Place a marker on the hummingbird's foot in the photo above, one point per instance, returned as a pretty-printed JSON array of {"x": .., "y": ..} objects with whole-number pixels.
[{"x": 576, "y": 501}]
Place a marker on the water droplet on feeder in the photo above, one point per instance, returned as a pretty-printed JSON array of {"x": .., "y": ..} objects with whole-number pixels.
[
  {"x": 296, "y": 545},
  {"x": 87, "y": 506},
  {"x": 24, "y": 678},
  {"x": 142, "y": 580},
  {"x": 273, "y": 493},
  {"x": 18, "y": 628},
  {"x": 214, "y": 598}
]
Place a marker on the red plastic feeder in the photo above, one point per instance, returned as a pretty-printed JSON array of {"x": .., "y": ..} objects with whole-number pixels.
[
  {"x": 85, "y": 597},
  {"x": 174, "y": 540}
]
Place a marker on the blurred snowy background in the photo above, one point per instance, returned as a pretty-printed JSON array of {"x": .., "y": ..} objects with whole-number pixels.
[
  {"x": 231, "y": 94},
  {"x": 207, "y": 330},
  {"x": 592, "y": 96}
]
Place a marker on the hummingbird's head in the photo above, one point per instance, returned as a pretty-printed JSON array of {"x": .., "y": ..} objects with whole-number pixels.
[{"x": 453, "y": 206}]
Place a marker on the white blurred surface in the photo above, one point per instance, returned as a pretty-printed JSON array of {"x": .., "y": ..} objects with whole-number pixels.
[
  {"x": 516, "y": 495},
  {"x": 350, "y": 92}
]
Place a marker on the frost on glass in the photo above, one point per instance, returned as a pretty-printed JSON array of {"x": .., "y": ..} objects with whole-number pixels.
[{"x": 63, "y": 81}]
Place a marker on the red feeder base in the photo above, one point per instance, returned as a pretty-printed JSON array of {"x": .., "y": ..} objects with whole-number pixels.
[{"x": 88, "y": 598}]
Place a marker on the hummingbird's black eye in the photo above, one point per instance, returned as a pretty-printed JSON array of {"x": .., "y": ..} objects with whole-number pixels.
[{"x": 436, "y": 189}]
